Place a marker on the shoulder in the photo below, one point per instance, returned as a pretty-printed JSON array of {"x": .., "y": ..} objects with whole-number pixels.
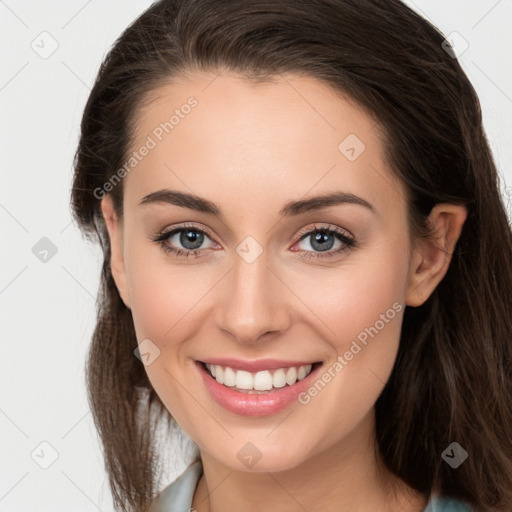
[
  {"x": 177, "y": 497},
  {"x": 442, "y": 504}
]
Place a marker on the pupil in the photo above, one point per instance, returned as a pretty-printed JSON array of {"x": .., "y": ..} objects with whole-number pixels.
[
  {"x": 196, "y": 239},
  {"x": 320, "y": 238}
]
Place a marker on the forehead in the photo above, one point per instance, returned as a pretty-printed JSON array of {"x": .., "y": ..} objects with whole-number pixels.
[{"x": 223, "y": 136}]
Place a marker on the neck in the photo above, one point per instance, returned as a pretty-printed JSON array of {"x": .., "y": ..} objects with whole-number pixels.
[{"x": 345, "y": 477}]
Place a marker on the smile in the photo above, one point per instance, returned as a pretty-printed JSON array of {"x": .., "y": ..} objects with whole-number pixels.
[
  {"x": 259, "y": 382},
  {"x": 257, "y": 388}
]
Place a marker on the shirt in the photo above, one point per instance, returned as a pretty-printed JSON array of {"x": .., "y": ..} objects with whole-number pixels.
[{"x": 177, "y": 497}]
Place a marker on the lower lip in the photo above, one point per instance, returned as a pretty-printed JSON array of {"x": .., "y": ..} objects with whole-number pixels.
[{"x": 245, "y": 404}]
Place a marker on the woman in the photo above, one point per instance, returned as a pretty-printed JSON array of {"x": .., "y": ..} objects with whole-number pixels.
[{"x": 307, "y": 262}]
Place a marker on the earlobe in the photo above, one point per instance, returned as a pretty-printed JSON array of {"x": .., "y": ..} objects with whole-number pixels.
[
  {"x": 431, "y": 257},
  {"x": 117, "y": 265}
]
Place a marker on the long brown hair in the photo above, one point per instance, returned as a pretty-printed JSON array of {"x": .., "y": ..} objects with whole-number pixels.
[{"x": 452, "y": 377}]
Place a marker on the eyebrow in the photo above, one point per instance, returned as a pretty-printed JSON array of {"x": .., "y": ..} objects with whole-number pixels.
[{"x": 290, "y": 209}]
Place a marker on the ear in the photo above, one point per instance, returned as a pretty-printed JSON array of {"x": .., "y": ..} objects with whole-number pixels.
[
  {"x": 115, "y": 232},
  {"x": 431, "y": 257}
]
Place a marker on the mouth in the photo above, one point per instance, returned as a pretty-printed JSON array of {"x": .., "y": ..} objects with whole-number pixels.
[
  {"x": 259, "y": 382},
  {"x": 257, "y": 388}
]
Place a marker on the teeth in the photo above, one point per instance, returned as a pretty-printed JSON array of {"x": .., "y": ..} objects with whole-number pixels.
[
  {"x": 229, "y": 377},
  {"x": 261, "y": 381},
  {"x": 244, "y": 380},
  {"x": 279, "y": 378},
  {"x": 291, "y": 376},
  {"x": 301, "y": 373}
]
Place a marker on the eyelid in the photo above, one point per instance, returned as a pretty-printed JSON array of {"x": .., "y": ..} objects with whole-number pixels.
[
  {"x": 188, "y": 225},
  {"x": 162, "y": 237},
  {"x": 324, "y": 227},
  {"x": 347, "y": 240}
]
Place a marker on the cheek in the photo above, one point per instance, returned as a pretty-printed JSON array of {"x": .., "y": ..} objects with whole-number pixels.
[
  {"x": 366, "y": 291},
  {"x": 165, "y": 302},
  {"x": 369, "y": 300},
  {"x": 163, "y": 295}
]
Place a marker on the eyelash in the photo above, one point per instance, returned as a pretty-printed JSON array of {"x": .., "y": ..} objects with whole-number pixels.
[{"x": 348, "y": 241}]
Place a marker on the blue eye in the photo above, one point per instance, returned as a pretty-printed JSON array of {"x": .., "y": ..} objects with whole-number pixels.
[
  {"x": 191, "y": 238},
  {"x": 321, "y": 239}
]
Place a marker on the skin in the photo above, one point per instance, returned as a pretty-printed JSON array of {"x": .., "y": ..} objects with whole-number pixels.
[{"x": 250, "y": 149}]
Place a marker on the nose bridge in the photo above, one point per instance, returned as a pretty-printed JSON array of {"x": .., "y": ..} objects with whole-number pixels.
[{"x": 252, "y": 303}]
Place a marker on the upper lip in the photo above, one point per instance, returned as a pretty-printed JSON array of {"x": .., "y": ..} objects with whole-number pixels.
[{"x": 255, "y": 365}]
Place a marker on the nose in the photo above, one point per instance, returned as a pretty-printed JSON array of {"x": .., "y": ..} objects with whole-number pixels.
[{"x": 253, "y": 301}]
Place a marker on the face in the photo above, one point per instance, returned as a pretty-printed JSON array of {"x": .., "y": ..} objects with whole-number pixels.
[{"x": 257, "y": 276}]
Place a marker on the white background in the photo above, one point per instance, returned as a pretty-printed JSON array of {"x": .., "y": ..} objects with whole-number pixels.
[{"x": 48, "y": 309}]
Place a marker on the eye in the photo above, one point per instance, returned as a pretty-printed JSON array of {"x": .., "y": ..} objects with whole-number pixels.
[
  {"x": 187, "y": 241},
  {"x": 322, "y": 239},
  {"x": 190, "y": 238}
]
